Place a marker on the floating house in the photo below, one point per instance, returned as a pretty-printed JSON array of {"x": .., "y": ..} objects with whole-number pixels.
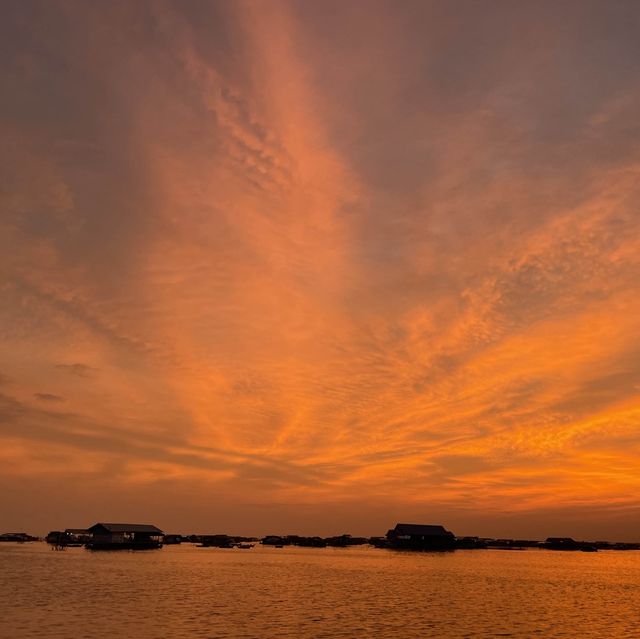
[
  {"x": 216, "y": 541},
  {"x": 561, "y": 543},
  {"x": 124, "y": 537},
  {"x": 567, "y": 543},
  {"x": 420, "y": 537},
  {"x": 20, "y": 537},
  {"x": 68, "y": 537},
  {"x": 76, "y": 536}
]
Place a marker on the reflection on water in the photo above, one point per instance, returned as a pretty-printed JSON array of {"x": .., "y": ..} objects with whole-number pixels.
[{"x": 184, "y": 591}]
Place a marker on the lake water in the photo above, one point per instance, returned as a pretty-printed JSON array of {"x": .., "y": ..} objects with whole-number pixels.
[{"x": 185, "y": 591}]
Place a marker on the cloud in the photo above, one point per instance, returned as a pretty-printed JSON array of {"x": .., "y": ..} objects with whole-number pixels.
[
  {"x": 48, "y": 397},
  {"x": 311, "y": 255},
  {"x": 78, "y": 369}
]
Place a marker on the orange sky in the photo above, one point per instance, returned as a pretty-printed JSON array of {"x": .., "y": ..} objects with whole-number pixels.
[{"x": 320, "y": 267}]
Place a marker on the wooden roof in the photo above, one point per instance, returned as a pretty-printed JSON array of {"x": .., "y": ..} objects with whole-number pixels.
[
  {"x": 422, "y": 530},
  {"x": 125, "y": 528}
]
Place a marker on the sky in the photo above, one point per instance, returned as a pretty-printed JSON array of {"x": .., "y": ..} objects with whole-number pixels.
[{"x": 320, "y": 267}]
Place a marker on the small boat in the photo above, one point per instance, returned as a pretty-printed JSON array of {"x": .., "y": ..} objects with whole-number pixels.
[{"x": 244, "y": 546}]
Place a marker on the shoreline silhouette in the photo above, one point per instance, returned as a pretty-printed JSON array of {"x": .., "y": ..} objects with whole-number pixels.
[{"x": 404, "y": 537}]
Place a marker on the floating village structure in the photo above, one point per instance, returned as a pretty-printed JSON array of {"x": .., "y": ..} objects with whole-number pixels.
[
  {"x": 19, "y": 537},
  {"x": 68, "y": 537},
  {"x": 417, "y": 537},
  {"x": 567, "y": 543},
  {"x": 124, "y": 537},
  {"x": 420, "y": 537}
]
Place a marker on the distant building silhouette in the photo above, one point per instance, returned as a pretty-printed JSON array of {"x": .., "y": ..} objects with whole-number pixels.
[
  {"x": 20, "y": 537},
  {"x": 124, "y": 537},
  {"x": 420, "y": 537},
  {"x": 561, "y": 543},
  {"x": 567, "y": 543},
  {"x": 68, "y": 537}
]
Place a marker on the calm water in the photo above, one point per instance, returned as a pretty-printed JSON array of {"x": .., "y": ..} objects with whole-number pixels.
[{"x": 184, "y": 591}]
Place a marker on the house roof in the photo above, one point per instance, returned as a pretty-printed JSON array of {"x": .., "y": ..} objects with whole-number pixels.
[
  {"x": 126, "y": 528},
  {"x": 562, "y": 540},
  {"x": 422, "y": 530}
]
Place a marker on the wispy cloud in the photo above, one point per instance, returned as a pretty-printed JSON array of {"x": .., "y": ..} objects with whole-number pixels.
[
  {"x": 48, "y": 397},
  {"x": 77, "y": 368}
]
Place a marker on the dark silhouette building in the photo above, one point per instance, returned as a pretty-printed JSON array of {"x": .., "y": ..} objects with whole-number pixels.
[
  {"x": 20, "y": 537},
  {"x": 124, "y": 537},
  {"x": 567, "y": 543},
  {"x": 561, "y": 543},
  {"x": 420, "y": 537}
]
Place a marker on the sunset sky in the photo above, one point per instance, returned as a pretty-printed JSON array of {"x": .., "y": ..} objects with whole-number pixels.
[{"x": 319, "y": 267}]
